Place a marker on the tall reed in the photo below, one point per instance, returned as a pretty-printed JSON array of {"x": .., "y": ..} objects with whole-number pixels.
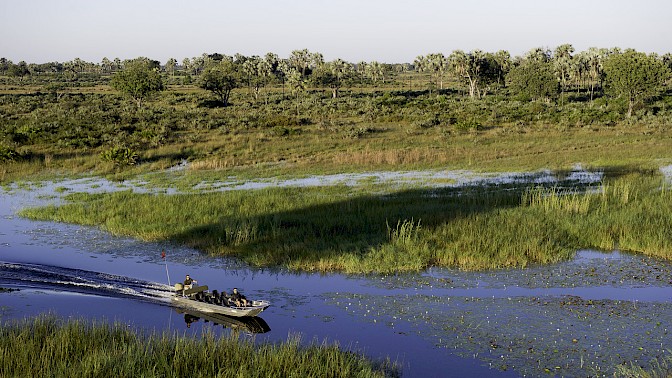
[
  {"x": 46, "y": 346},
  {"x": 350, "y": 229}
]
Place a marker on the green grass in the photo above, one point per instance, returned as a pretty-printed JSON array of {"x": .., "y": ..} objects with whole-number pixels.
[
  {"x": 48, "y": 347},
  {"x": 359, "y": 230},
  {"x": 660, "y": 367},
  {"x": 364, "y": 130}
]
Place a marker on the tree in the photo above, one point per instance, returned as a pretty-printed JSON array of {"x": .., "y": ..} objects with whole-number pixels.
[
  {"x": 533, "y": 79},
  {"x": 282, "y": 73},
  {"x": 436, "y": 65},
  {"x": 477, "y": 69},
  {"x": 419, "y": 64},
  {"x": 56, "y": 88},
  {"x": 257, "y": 71},
  {"x": 296, "y": 83},
  {"x": 4, "y": 65},
  {"x": 503, "y": 59},
  {"x": 362, "y": 69},
  {"x": 220, "y": 78},
  {"x": 562, "y": 63},
  {"x": 376, "y": 71},
  {"x": 539, "y": 54},
  {"x": 594, "y": 59},
  {"x": 170, "y": 66},
  {"x": 634, "y": 76},
  {"x": 300, "y": 60},
  {"x": 667, "y": 60},
  {"x": 139, "y": 79},
  {"x": 186, "y": 64},
  {"x": 106, "y": 65},
  {"x": 20, "y": 70},
  {"x": 198, "y": 63},
  {"x": 333, "y": 75}
]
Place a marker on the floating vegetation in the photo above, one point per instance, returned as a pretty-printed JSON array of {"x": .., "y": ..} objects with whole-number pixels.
[
  {"x": 596, "y": 315},
  {"x": 563, "y": 335}
]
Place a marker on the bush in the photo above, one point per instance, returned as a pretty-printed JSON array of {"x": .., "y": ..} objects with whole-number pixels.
[
  {"x": 8, "y": 154},
  {"x": 120, "y": 156},
  {"x": 467, "y": 125}
]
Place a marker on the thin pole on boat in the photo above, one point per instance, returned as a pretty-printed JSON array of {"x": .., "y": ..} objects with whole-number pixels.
[{"x": 163, "y": 256}]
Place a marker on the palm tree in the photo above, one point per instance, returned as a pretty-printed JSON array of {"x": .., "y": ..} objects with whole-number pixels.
[
  {"x": 595, "y": 58},
  {"x": 106, "y": 65},
  {"x": 297, "y": 84},
  {"x": 375, "y": 71},
  {"x": 170, "y": 66},
  {"x": 186, "y": 64},
  {"x": 300, "y": 60},
  {"x": 503, "y": 59},
  {"x": 420, "y": 63},
  {"x": 539, "y": 54},
  {"x": 562, "y": 63},
  {"x": 438, "y": 65}
]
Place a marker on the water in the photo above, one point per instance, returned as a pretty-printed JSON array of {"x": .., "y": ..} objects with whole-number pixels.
[{"x": 581, "y": 317}]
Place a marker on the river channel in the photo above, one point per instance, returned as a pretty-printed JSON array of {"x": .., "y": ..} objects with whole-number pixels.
[{"x": 577, "y": 318}]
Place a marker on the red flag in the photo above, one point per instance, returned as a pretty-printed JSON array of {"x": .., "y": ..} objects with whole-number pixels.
[{"x": 163, "y": 255}]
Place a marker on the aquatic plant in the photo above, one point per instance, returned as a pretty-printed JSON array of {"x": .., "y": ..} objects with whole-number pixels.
[
  {"x": 531, "y": 335},
  {"x": 660, "y": 367}
]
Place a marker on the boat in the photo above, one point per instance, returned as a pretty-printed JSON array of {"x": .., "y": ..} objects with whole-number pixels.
[{"x": 200, "y": 299}]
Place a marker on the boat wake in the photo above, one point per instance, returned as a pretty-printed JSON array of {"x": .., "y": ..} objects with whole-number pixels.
[{"x": 35, "y": 276}]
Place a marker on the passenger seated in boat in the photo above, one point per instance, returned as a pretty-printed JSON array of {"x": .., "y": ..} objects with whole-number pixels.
[
  {"x": 224, "y": 298},
  {"x": 188, "y": 283},
  {"x": 238, "y": 298}
]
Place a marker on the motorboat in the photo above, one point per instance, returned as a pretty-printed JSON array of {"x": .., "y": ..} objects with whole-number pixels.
[{"x": 200, "y": 299}]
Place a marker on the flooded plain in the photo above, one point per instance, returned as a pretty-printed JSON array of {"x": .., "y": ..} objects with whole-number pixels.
[{"x": 577, "y": 318}]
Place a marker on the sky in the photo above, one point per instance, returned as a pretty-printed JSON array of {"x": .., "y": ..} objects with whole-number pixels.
[{"x": 389, "y": 31}]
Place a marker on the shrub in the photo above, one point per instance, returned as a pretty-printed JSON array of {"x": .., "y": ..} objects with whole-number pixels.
[
  {"x": 120, "y": 156},
  {"x": 8, "y": 154},
  {"x": 467, "y": 125}
]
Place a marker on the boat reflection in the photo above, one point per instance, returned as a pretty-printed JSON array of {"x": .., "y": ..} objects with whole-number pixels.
[{"x": 248, "y": 324}]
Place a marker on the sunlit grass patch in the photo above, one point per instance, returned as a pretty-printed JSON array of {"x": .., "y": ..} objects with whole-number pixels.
[
  {"x": 369, "y": 229},
  {"x": 47, "y": 346}
]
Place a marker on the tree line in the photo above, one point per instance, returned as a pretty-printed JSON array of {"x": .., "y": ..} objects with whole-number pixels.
[
  {"x": 459, "y": 92},
  {"x": 540, "y": 74}
]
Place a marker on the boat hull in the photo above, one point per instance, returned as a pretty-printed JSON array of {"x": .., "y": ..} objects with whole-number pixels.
[{"x": 254, "y": 309}]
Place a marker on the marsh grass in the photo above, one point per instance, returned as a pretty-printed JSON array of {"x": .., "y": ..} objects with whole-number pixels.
[
  {"x": 557, "y": 199},
  {"x": 660, "y": 367},
  {"x": 353, "y": 230},
  {"x": 48, "y": 347}
]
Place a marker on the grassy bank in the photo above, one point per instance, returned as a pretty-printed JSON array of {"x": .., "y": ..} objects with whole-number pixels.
[
  {"x": 355, "y": 231},
  {"x": 363, "y": 130},
  {"x": 47, "y": 347}
]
